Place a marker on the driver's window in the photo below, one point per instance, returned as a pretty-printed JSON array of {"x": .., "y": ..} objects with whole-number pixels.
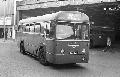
[{"x": 47, "y": 28}]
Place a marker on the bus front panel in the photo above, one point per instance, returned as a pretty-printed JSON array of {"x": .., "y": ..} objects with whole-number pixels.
[{"x": 68, "y": 51}]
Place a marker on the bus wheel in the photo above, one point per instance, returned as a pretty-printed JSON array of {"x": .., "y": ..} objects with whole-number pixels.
[
  {"x": 42, "y": 56},
  {"x": 22, "y": 49},
  {"x": 109, "y": 42}
]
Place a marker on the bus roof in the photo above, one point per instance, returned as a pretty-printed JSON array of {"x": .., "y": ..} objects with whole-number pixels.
[{"x": 73, "y": 16}]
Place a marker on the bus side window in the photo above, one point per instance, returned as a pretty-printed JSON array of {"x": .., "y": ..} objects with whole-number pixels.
[
  {"x": 27, "y": 28},
  {"x": 42, "y": 29},
  {"x": 37, "y": 27},
  {"x": 31, "y": 27},
  {"x": 20, "y": 28}
]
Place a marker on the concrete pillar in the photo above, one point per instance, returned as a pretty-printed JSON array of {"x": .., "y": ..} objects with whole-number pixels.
[{"x": 13, "y": 33}]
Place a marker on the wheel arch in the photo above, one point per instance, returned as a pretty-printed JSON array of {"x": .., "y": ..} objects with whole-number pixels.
[{"x": 40, "y": 46}]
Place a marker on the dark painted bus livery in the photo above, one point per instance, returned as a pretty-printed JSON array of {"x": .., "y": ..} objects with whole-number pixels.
[{"x": 58, "y": 38}]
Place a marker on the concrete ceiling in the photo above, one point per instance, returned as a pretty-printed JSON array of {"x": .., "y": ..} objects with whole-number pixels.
[{"x": 96, "y": 12}]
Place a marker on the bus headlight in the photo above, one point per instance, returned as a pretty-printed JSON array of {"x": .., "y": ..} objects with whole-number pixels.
[
  {"x": 62, "y": 51},
  {"x": 83, "y": 58},
  {"x": 83, "y": 51}
]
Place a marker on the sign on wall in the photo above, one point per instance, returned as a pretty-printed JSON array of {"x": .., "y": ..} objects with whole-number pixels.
[
  {"x": 25, "y": 2},
  {"x": 47, "y": 4},
  {"x": 32, "y": 4},
  {"x": 8, "y": 21}
]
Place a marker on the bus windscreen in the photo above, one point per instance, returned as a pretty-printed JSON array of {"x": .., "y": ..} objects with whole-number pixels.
[{"x": 72, "y": 31}]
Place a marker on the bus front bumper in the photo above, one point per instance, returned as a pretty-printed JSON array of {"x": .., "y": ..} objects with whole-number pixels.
[{"x": 65, "y": 59}]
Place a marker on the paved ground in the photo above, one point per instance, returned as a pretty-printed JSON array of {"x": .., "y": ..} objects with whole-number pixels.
[
  {"x": 6, "y": 41},
  {"x": 14, "y": 64}
]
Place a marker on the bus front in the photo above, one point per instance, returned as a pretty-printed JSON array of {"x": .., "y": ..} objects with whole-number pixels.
[{"x": 71, "y": 40}]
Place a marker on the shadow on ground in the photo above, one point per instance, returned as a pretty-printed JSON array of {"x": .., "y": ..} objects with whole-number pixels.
[{"x": 67, "y": 66}]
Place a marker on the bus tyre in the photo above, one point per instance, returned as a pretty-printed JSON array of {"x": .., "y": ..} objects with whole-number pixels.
[
  {"x": 42, "y": 56},
  {"x": 22, "y": 49},
  {"x": 109, "y": 42}
]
